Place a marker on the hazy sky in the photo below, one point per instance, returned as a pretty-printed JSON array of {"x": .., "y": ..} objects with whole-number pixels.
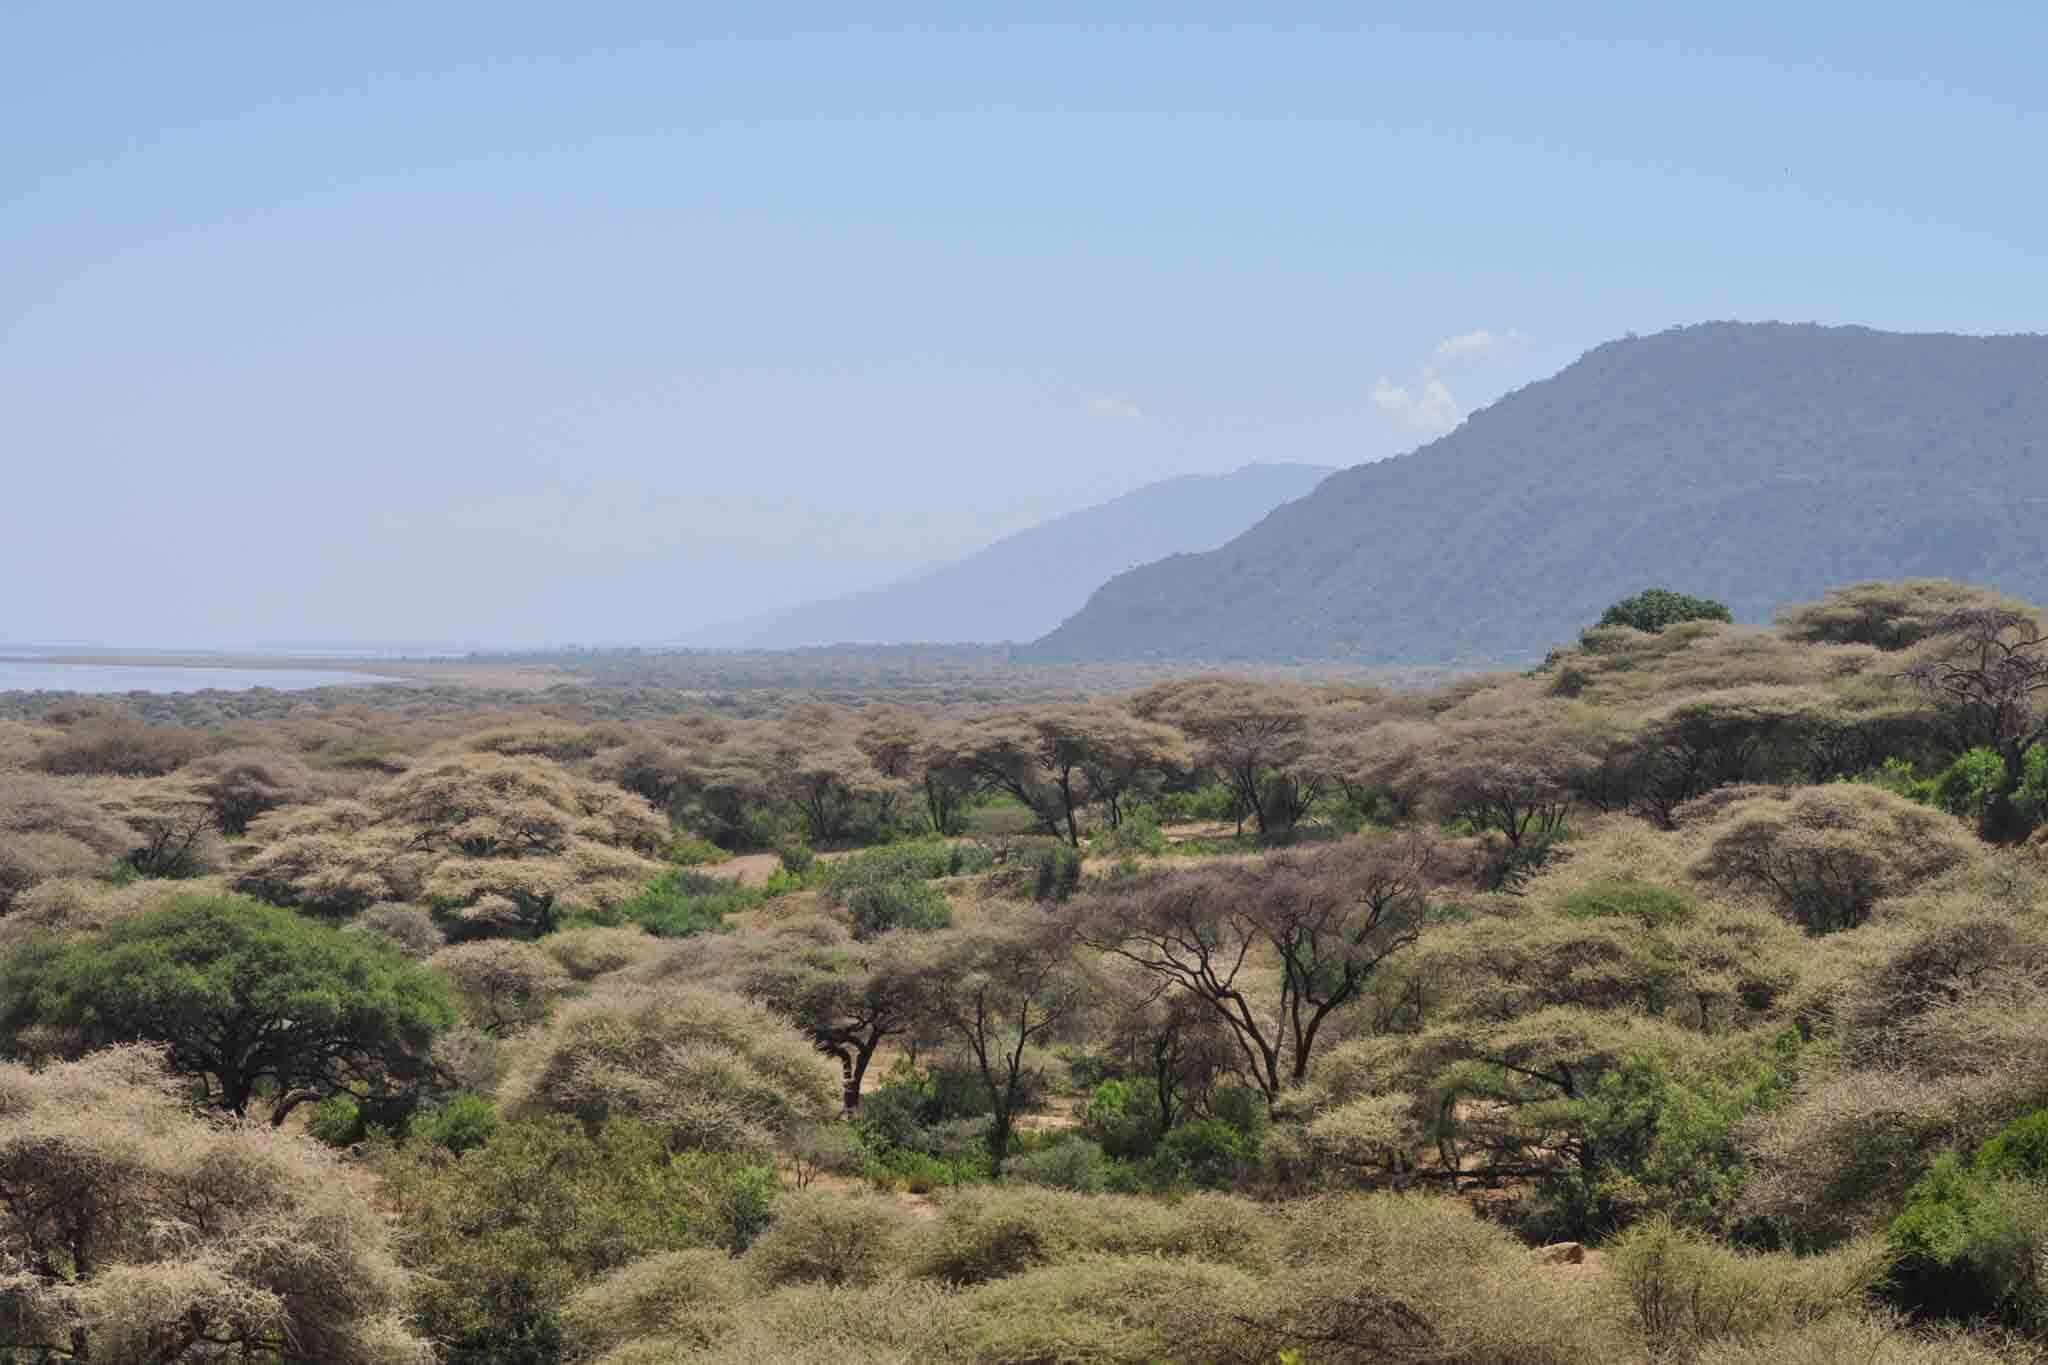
[{"x": 551, "y": 322}]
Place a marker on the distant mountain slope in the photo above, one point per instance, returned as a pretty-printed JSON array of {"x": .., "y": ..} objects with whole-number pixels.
[
  {"x": 1758, "y": 463},
  {"x": 1025, "y": 584}
]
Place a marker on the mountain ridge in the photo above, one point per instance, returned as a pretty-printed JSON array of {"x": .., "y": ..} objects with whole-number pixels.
[
  {"x": 1754, "y": 462},
  {"x": 1024, "y": 584}
]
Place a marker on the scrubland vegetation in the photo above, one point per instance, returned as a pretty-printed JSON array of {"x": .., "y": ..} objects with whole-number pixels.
[{"x": 1681, "y": 999}]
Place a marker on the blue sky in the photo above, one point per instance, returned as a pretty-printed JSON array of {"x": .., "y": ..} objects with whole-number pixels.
[{"x": 546, "y": 323}]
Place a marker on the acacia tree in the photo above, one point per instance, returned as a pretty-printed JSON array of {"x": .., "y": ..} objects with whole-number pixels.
[
  {"x": 245, "y": 996},
  {"x": 503, "y": 987},
  {"x": 1167, "y": 1035},
  {"x": 1826, "y": 855},
  {"x": 505, "y": 843},
  {"x": 712, "y": 1071},
  {"x": 847, "y": 997},
  {"x": 1254, "y": 735},
  {"x": 1274, "y": 948},
  {"x": 813, "y": 760},
  {"x": 136, "y": 1231},
  {"x": 1002, "y": 988},
  {"x": 242, "y": 784},
  {"x": 1652, "y": 609},
  {"x": 1992, "y": 668},
  {"x": 1045, "y": 756}
]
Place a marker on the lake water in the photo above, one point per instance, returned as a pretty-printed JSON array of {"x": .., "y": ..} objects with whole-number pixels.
[{"x": 36, "y": 675}]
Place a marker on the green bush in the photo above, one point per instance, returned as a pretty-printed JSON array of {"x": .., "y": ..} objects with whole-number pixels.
[
  {"x": 1122, "y": 1117},
  {"x": 795, "y": 856},
  {"x": 880, "y": 907},
  {"x": 965, "y": 860},
  {"x": 1070, "y": 1164},
  {"x": 1968, "y": 786},
  {"x": 921, "y": 1172},
  {"x": 678, "y": 905},
  {"x": 687, "y": 850},
  {"x": 2017, "y": 1151},
  {"x": 1653, "y": 609},
  {"x": 1967, "y": 1246},
  {"x": 1653, "y": 907},
  {"x": 920, "y": 861},
  {"x": 1206, "y": 1152},
  {"x": 1137, "y": 834},
  {"x": 336, "y": 1121},
  {"x": 466, "y": 1121},
  {"x": 504, "y": 1234}
]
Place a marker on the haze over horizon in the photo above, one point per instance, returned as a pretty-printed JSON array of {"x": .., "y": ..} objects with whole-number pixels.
[{"x": 521, "y": 325}]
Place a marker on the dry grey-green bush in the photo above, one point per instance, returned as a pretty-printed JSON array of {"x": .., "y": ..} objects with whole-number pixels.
[
  {"x": 511, "y": 843},
  {"x": 177, "y": 833},
  {"x": 502, "y": 987},
  {"x": 242, "y": 784},
  {"x": 1687, "y": 1291},
  {"x": 51, "y": 830},
  {"x": 893, "y": 1322},
  {"x": 119, "y": 746},
  {"x": 987, "y": 1232},
  {"x": 589, "y": 951},
  {"x": 713, "y": 1071},
  {"x": 132, "y": 1231},
  {"x": 409, "y": 928},
  {"x": 1887, "y": 616},
  {"x": 1869, "y": 1339},
  {"x": 69, "y": 906},
  {"x": 830, "y": 1238},
  {"x": 1826, "y": 856},
  {"x": 683, "y": 1297}
]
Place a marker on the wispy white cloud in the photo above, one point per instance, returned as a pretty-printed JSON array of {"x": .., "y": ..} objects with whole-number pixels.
[
  {"x": 1111, "y": 406},
  {"x": 1428, "y": 406},
  {"x": 1483, "y": 341}
]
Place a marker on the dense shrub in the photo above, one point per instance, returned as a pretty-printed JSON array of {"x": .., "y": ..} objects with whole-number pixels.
[
  {"x": 676, "y": 905},
  {"x": 682, "y": 1297},
  {"x": 1688, "y": 1291},
  {"x": 589, "y": 951},
  {"x": 136, "y": 1231},
  {"x": 507, "y": 1232},
  {"x": 708, "y": 1070},
  {"x": 879, "y": 907},
  {"x": 1969, "y": 1245},
  {"x": 834, "y": 1239},
  {"x": 1828, "y": 854},
  {"x": 119, "y": 747},
  {"x": 1072, "y": 1164},
  {"x": 458, "y": 1124}
]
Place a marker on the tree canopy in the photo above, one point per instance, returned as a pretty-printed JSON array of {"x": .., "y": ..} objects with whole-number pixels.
[{"x": 261, "y": 1005}]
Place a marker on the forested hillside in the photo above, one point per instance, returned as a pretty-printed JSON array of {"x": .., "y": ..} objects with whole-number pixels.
[
  {"x": 1757, "y": 463},
  {"x": 1027, "y": 583}
]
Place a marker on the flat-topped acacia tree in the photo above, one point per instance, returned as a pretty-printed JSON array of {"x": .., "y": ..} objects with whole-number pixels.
[
  {"x": 1274, "y": 948},
  {"x": 505, "y": 843},
  {"x": 263, "y": 1006}
]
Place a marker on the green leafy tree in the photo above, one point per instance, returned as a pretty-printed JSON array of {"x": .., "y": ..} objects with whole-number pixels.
[
  {"x": 1655, "y": 608},
  {"x": 253, "y": 1000},
  {"x": 505, "y": 1234}
]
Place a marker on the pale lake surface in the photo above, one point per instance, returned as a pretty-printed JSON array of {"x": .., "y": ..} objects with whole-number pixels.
[{"x": 35, "y": 675}]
